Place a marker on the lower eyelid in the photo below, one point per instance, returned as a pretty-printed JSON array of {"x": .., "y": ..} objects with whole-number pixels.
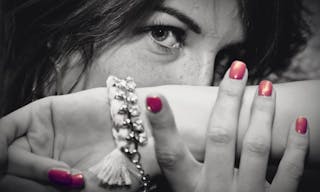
[
  {"x": 165, "y": 54},
  {"x": 164, "y": 48}
]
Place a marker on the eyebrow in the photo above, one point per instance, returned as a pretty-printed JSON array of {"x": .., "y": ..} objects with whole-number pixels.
[{"x": 181, "y": 17}]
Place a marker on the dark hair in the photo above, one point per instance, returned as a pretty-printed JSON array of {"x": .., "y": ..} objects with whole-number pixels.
[
  {"x": 275, "y": 31},
  {"x": 35, "y": 32},
  {"x": 41, "y": 31}
]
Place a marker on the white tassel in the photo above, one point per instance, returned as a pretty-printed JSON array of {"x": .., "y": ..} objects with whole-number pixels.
[{"x": 113, "y": 169}]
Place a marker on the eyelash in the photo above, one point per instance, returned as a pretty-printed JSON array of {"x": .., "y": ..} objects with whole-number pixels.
[{"x": 178, "y": 33}]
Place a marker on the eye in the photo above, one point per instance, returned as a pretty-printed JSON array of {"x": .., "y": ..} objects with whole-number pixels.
[{"x": 168, "y": 36}]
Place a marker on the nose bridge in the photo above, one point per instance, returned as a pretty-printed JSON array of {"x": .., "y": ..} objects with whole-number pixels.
[
  {"x": 206, "y": 72},
  {"x": 198, "y": 63}
]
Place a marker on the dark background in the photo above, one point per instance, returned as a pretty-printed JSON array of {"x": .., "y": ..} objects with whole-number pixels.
[{"x": 306, "y": 65}]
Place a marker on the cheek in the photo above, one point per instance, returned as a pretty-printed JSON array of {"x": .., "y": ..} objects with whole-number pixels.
[
  {"x": 147, "y": 71},
  {"x": 137, "y": 63},
  {"x": 194, "y": 66}
]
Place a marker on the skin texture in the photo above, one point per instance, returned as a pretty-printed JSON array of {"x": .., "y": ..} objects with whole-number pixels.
[
  {"x": 140, "y": 57},
  {"x": 192, "y": 64},
  {"x": 57, "y": 127}
]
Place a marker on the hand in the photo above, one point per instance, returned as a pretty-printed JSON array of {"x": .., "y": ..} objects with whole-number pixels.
[
  {"x": 69, "y": 133},
  {"x": 217, "y": 172}
]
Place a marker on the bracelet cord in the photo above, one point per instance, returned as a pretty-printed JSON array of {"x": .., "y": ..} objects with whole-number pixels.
[{"x": 128, "y": 133}]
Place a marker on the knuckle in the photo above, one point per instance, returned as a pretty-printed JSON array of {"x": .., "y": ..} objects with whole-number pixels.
[
  {"x": 298, "y": 145},
  {"x": 265, "y": 105},
  {"x": 43, "y": 102},
  {"x": 169, "y": 158},
  {"x": 39, "y": 140},
  {"x": 219, "y": 136},
  {"x": 292, "y": 169},
  {"x": 164, "y": 121},
  {"x": 257, "y": 146},
  {"x": 230, "y": 91}
]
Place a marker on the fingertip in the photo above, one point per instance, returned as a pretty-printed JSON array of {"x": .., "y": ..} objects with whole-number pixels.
[
  {"x": 299, "y": 128},
  {"x": 301, "y": 125},
  {"x": 157, "y": 105},
  {"x": 59, "y": 176},
  {"x": 265, "y": 88},
  {"x": 154, "y": 103},
  {"x": 299, "y": 134},
  {"x": 234, "y": 80},
  {"x": 66, "y": 177},
  {"x": 159, "y": 113},
  {"x": 77, "y": 180},
  {"x": 265, "y": 96},
  {"x": 238, "y": 70}
]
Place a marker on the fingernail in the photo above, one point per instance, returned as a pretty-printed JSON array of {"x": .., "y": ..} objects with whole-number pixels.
[
  {"x": 154, "y": 104},
  {"x": 237, "y": 70},
  {"x": 77, "y": 181},
  {"x": 59, "y": 177},
  {"x": 265, "y": 88},
  {"x": 301, "y": 125}
]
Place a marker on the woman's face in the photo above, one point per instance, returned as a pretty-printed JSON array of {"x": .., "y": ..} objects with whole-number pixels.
[{"x": 176, "y": 45}]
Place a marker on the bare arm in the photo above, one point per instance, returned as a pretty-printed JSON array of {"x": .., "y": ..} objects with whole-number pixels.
[{"x": 192, "y": 107}]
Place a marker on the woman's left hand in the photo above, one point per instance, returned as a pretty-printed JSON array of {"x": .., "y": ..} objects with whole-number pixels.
[
  {"x": 68, "y": 133},
  {"x": 217, "y": 172}
]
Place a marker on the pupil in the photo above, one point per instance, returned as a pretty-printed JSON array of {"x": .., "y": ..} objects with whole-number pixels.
[{"x": 160, "y": 34}]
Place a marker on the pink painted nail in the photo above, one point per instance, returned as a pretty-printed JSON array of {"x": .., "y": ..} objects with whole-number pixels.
[
  {"x": 237, "y": 70},
  {"x": 265, "y": 88},
  {"x": 301, "y": 125},
  {"x": 77, "y": 181},
  {"x": 59, "y": 177},
  {"x": 154, "y": 104}
]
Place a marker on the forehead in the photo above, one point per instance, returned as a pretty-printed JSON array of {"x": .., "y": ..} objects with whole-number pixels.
[{"x": 213, "y": 16}]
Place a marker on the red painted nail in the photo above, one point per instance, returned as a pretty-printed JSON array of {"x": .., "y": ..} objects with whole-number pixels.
[
  {"x": 237, "y": 70},
  {"x": 59, "y": 177},
  {"x": 77, "y": 181},
  {"x": 154, "y": 104},
  {"x": 301, "y": 125},
  {"x": 265, "y": 88}
]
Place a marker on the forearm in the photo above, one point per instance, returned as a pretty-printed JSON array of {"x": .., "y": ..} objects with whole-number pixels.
[
  {"x": 80, "y": 112},
  {"x": 192, "y": 107}
]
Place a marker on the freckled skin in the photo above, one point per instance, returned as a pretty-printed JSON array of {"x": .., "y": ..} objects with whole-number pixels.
[{"x": 193, "y": 64}]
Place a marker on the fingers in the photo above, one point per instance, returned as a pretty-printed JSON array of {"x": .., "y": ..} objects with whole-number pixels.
[
  {"x": 292, "y": 163},
  {"x": 172, "y": 154},
  {"x": 35, "y": 118},
  {"x": 221, "y": 134},
  {"x": 15, "y": 125},
  {"x": 25, "y": 164},
  {"x": 257, "y": 141}
]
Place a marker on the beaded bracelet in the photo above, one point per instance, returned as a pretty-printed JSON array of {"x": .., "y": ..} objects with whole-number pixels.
[{"x": 128, "y": 133}]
